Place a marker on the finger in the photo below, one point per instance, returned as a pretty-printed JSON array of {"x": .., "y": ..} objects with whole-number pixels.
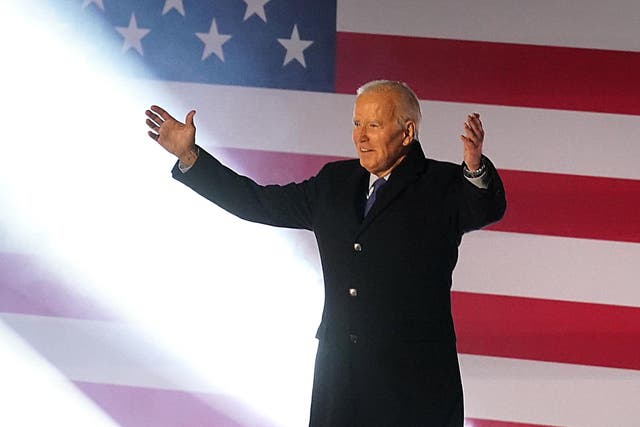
[
  {"x": 154, "y": 126},
  {"x": 470, "y": 133},
  {"x": 189, "y": 119},
  {"x": 153, "y": 116},
  {"x": 475, "y": 121},
  {"x": 475, "y": 124},
  {"x": 153, "y": 135},
  {"x": 161, "y": 112},
  {"x": 469, "y": 142},
  {"x": 477, "y": 117},
  {"x": 478, "y": 121}
]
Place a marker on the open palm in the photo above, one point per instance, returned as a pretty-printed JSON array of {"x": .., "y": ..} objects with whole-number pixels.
[{"x": 176, "y": 137}]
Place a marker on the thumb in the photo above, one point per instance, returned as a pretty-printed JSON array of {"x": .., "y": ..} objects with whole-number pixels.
[{"x": 189, "y": 119}]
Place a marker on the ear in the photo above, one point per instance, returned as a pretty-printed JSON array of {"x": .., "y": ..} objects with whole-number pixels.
[{"x": 409, "y": 132}]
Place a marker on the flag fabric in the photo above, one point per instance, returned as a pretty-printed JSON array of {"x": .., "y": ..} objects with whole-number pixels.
[
  {"x": 546, "y": 302},
  {"x": 229, "y": 42}
]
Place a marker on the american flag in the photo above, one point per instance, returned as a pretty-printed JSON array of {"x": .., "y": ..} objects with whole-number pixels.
[{"x": 120, "y": 288}]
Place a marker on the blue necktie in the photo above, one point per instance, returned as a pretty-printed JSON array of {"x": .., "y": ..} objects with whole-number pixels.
[{"x": 372, "y": 197}]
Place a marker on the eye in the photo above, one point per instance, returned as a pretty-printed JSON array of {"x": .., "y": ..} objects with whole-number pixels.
[
  {"x": 374, "y": 125},
  {"x": 356, "y": 123}
]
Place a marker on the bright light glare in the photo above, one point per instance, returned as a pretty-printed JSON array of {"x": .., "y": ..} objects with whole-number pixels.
[
  {"x": 87, "y": 189},
  {"x": 34, "y": 393}
]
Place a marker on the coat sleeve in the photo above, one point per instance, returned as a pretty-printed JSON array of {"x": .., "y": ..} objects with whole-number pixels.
[
  {"x": 481, "y": 207},
  {"x": 290, "y": 205}
]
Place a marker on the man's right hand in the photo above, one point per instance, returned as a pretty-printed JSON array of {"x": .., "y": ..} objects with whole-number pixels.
[{"x": 177, "y": 138}]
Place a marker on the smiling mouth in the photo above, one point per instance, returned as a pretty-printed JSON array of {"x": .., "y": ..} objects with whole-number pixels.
[{"x": 365, "y": 150}]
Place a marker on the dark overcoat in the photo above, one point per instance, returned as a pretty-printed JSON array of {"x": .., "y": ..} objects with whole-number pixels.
[{"x": 387, "y": 353}]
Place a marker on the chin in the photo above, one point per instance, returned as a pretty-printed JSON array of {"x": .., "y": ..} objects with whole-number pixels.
[{"x": 366, "y": 165}]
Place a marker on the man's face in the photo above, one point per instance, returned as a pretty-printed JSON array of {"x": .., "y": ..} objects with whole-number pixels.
[{"x": 381, "y": 142}]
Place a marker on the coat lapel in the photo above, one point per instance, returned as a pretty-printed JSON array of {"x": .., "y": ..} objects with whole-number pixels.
[
  {"x": 407, "y": 172},
  {"x": 358, "y": 196}
]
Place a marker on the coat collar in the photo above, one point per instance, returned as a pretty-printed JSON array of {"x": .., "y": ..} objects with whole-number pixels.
[{"x": 407, "y": 172}]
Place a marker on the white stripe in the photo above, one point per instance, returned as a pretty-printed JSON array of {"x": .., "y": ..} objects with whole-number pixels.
[
  {"x": 549, "y": 393},
  {"x": 547, "y": 267},
  {"x": 495, "y": 388},
  {"x": 123, "y": 354},
  {"x": 33, "y": 393},
  {"x": 103, "y": 352},
  {"x": 274, "y": 381},
  {"x": 586, "y": 24},
  {"x": 318, "y": 123}
]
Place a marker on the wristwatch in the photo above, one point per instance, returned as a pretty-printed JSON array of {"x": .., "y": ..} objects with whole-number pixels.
[{"x": 476, "y": 173}]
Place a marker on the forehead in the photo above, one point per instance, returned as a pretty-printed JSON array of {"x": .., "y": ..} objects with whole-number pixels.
[{"x": 379, "y": 105}]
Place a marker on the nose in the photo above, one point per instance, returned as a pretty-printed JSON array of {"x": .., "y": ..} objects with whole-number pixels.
[{"x": 362, "y": 134}]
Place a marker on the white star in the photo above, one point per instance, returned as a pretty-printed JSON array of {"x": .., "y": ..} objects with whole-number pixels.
[
  {"x": 173, "y": 4},
  {"x": 213, "y": 42},
  {"x": 255, "y": 7},
  {"x": 97, "y": 3},
  {"x": 132, "y": 35},
  {"x": 295, "y": 47}
]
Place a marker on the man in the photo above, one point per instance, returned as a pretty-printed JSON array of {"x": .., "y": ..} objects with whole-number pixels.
[{"x": 388, "y": 228}]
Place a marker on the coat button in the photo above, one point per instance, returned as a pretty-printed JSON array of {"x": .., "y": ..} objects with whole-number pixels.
[
  {"x": 353, "y": 338},
  {"x": 357, "y": 247},
  {"x": 353, "y": 292}
]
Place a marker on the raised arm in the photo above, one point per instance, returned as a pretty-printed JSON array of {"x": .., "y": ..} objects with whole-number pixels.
[
  {"x": 484, "y": 201},
  {"x": 283, "y": 206},
  {"x": 473, "y": 138}
]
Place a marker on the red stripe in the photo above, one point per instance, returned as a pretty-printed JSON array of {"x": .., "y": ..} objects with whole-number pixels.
[
  {"x": 546, "y": 330},
  {"x": 571, "y": 206},
  {"x": 493, "y": 73},
  {"x": 270, "y": 167},
  {"x": 143, "y": 407},
  {"x": 173, "y": 408},
  {"x": 537, "y": 203}
]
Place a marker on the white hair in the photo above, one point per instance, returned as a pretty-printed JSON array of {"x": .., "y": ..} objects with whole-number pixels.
[{"x": 408, "y": 106}]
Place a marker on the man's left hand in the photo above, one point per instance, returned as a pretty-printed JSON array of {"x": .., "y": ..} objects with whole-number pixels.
[{"x": 472, "y": 139}]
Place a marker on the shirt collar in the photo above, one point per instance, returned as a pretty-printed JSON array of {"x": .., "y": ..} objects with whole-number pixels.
[{"x": 373, "y": 178}]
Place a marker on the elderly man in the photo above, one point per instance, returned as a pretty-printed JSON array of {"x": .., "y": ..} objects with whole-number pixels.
[{"x": 388, "y": 228}]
